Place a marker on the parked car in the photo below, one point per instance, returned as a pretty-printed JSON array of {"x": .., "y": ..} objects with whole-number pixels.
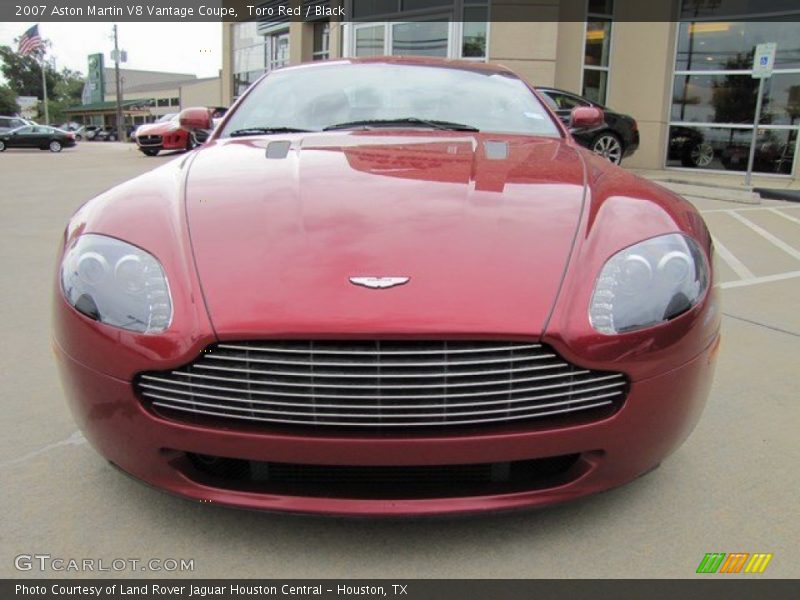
[
  {"x": 106, "y": 134},
  {"x": 90, "y": 131},
  {"x": 10, "y": 123},
  {"x": 387, "y": 286},
  {"x": 615, "y": 140},
  {"x": 690, "y": 147},
  {"x": 163, "y": 135},
  {"x": 37, "y": 136},
  {"x": 80, "y": 133}
]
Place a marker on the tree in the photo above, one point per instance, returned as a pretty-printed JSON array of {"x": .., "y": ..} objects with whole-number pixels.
[
  {"x": 8, "y": 101},
  {"x": 24, "y": 76},
  {"x": 734, "y": 98},
  {"x": 66, "y": 93},
  {"x": 24, "y": 73}
]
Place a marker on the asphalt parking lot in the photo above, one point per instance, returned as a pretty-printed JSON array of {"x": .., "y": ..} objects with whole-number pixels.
[{"x": 731, "y": 488}]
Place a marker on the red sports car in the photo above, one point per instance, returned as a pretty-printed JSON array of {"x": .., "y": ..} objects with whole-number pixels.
[
  {"x": 164, "y": 134},
  {"x": 387, "y": 287}
]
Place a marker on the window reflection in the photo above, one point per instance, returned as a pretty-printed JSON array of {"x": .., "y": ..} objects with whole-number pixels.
[
  {"x": 731, "y": 98},
  {"x": 727, "y": 45},
  {"x": 725, "y": 148},
  {"x": 369, "y": 41},
  {"x": 420, "y": 38}
]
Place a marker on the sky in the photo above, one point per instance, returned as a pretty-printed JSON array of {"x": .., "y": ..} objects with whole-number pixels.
[{"x": 194, "y": 48}]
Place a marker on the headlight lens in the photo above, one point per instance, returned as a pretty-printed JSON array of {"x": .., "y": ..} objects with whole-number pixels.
[
  {"x": 649, "y": 283},
  {"x": 117, "y": 284}
]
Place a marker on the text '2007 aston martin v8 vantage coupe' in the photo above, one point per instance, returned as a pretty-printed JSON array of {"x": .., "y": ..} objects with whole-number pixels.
[{"x": 387, "y": 286}]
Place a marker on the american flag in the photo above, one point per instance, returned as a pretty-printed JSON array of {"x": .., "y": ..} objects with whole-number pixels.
[{"x": 30, "y": 41}]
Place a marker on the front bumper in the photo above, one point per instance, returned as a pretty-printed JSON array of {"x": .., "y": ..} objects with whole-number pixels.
[
  {"x": 658, "y": 415},
  {"x": 169, "y": 141}
]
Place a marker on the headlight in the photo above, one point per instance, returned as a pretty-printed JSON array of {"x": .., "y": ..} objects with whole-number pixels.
[
  {"x": 648, "y": 283},
  {"x": 117, "y": 284}
]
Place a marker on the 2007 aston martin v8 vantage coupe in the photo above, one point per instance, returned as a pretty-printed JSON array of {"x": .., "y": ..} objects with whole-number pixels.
[{"x": 387, "y": 287}]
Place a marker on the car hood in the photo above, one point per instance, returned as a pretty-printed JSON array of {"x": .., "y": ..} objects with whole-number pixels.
[
  {"x": 482, "y": 225},
  {"x": 156, "y": 129}
]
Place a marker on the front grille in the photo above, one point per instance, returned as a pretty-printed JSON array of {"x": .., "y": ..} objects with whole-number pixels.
[
  {"x": 380, "y": 482},
  {"x": 379, "y": 384},
  {"x": 149, "y": 140}
]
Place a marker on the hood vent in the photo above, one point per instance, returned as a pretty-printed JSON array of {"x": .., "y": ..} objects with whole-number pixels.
[
  {"x": 496, "y": 150},
  {"x": 278, "y": 149}
]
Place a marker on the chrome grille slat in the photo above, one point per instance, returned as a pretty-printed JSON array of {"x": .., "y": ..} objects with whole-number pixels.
[
  {"x": 389, "y": 396},
  {"x": 378, "y": 375},
  {"x": 379, "y": 383},
  {"x": 366, "y": 365},
  {"x": 460, "y": 413},
  {"x": 195, "y": 375},
  {"x": 391, "y": 424},
  {"x": 380, "y": 407},
  {"x": 317, "y": 350}
]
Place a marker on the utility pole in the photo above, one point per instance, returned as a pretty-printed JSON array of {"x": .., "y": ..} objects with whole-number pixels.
[
  {"x": 120, "y": 127},
  {"x": 44, "y": 90}
]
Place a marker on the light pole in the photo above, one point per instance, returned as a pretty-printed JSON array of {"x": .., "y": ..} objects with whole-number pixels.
[{"x": 120, "y": 128}]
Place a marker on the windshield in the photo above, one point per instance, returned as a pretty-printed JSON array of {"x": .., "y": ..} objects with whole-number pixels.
[
  {"x": 318, "y": 97},
  {"x": 166, "y": 118}
]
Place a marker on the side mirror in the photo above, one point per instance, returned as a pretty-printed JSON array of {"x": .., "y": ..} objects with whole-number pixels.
[
  {"x": 195, "y": 118},
  {"x": 586, "y": 117}
]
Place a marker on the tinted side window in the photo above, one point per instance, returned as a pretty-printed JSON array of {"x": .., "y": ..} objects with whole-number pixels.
[
  {"x": 549, "y": 101},
  {"x": 567, "y": 102}
]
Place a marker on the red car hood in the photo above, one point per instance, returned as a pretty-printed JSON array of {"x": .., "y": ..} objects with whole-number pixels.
[
  {"x": 156, "y": 129},
  {"x": 482, "y": 225}
]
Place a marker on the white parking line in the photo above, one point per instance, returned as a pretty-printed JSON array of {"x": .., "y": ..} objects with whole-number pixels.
[
  {"x": 734, "y": 263},
  {"x": 748, "y": 208},
  {"x": 784, "y": 215},
  {"x": 76, "y": 439},
  {"x": 756, "y": 280},
  {"x": 766, "y": 235}
]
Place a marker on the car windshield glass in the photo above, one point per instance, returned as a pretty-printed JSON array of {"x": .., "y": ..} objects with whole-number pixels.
[{"x": 314, "y": 98}]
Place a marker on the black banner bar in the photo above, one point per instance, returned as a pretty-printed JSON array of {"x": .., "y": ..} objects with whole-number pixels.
[
  {"x": 386, "y": 10},
  {"x": 729, "y": 587}
]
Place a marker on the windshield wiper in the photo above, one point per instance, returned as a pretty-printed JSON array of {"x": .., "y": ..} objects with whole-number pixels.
[
  {"x": 413, "y": 121},
  {"x": 266, "y": 130}
]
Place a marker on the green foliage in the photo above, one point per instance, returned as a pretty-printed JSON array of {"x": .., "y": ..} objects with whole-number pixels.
[
  {"x": 8, "y": 101},
  {"x": 24, "y": 77}
]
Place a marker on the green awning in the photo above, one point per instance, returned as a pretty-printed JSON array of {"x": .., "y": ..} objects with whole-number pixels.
[{"x": 110, "y": 105}]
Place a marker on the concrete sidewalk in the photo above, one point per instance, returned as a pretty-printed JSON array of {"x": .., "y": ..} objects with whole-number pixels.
[{"x": 724, "y": 186}]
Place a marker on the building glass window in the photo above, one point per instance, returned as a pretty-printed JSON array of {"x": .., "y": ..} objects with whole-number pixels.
[
  {"x": 475, "y": 29},
  {"x": 370, "y": 40},
  {"x": 322, "y": 40},
  {"x": 445, "y": 28},
  {"x": 277, "y": 50},
  {"x": 174, "y": 101},
  {"x": 597, "y": 49},
  {"x": 420, "y": 38},
  {"x": 162, "y": 102},
  {"x": 249, "y": 55},
  {"x": 258, "y": 47},
  {"x": 714, "y": 95}
]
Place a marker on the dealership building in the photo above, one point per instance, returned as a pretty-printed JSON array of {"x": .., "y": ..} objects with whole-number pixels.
[
  {"x": 683, "y": 69},
  {"x": 146, "y": 95}
]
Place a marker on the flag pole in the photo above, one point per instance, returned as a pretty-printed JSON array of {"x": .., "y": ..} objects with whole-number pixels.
[{"x": 44, "y": 88}]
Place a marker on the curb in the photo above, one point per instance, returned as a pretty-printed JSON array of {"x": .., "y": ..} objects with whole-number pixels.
[
  {"x": 738, "y": 195},
  {"x": 778, "y": 194}
]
